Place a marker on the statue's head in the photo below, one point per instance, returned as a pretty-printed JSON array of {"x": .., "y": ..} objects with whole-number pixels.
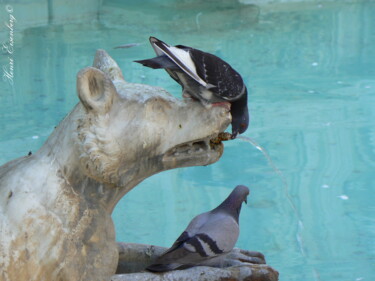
[{"x": 128, "y": 130}]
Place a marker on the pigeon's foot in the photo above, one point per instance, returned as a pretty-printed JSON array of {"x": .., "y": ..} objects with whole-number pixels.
[
  {"x": 223, "y": 104},
  {"x": 207, "y": 104},
  {"x": 186, "y": 95}
]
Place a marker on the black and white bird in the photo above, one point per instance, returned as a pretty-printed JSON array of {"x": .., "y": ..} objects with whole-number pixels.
[
  {"x": 205, "y": 77},
  {"x": 208, "y": 236}
]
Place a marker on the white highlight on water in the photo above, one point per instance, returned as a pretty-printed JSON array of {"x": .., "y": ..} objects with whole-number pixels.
[{"x": 343, "y": 197}]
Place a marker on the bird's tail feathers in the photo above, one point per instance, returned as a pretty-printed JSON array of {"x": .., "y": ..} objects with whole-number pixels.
[
  {"x": 163, "y": 267},
  {"x": 159, "y": 62}
]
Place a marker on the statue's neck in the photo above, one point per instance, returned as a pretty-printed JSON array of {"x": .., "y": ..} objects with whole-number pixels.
[
  {"x": 60, "y": 147},
  {"x": 62, "y": 153}
]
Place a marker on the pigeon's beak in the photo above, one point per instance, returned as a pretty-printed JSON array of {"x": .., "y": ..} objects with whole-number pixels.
[{"x": 245, "y": 200}]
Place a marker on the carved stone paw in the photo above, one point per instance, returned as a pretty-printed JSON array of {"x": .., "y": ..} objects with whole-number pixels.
[{"x": 240, "y": 257}]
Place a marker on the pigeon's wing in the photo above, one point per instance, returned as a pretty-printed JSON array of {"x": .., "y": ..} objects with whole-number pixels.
[
  {"x": 219, "y": 234},
  {"x": 228, "y": 83},
  {"x": 180, "y": 56},
  {"x": 192, "y": 229},
  {"x": 178, "y": 256},
  {"x": 182, "y": 254},
  {"x": 186, "y": 254},
  {"x": 215, "y": 237}
]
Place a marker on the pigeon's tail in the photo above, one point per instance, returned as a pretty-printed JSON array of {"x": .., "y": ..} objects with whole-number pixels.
[
  {"x": 159, "y": 267},
  {"x": 164, "y": 267},
  {"x": 159, "y": 62}
]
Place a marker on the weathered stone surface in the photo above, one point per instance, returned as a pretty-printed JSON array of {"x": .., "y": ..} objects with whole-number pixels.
[{"x": 204, "y": 273}]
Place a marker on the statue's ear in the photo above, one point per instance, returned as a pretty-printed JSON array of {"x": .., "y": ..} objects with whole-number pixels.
[{"x": 95, "y": 90}]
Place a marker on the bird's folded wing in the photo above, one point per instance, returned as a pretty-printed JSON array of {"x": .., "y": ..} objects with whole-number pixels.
[
  {"x": 216, "y": 72},
  {"x": 179, "y": 56},
  {"x": 220, "y": 234}
]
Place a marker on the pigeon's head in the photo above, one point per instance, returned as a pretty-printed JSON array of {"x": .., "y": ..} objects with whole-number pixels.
[
  {"x": 240, "y": 194},
  {"x": 240, "y": 115},
  {"x": 233, "y": 203}
]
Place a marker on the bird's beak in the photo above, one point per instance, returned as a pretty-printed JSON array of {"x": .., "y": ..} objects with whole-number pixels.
[{"x": 246, "y": 200}]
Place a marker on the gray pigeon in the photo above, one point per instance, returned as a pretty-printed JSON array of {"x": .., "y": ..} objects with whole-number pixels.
[
  {"x": 205, "y": 77},
  {"x": 208, "y": 235}
]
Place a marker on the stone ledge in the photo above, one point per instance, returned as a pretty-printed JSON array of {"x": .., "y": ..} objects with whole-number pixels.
[
  {"x": 253, "y": 272},
  {"x": 133, "y": 258}
]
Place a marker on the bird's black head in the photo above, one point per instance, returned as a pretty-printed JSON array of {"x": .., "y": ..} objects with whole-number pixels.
[{"x": 240, "y": 115}]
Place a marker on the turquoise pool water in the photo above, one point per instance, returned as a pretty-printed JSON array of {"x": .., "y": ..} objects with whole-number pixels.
[{"x": 310, "y": 69}]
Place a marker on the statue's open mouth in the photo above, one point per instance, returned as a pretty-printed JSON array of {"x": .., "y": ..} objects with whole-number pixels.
[{"x": 197, "y": 152}]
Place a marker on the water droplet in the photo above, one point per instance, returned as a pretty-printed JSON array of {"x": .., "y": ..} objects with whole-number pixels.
[
  {"x": 35, "y": 137},
  {"x": 311, "y": 91},
  {"x": 325, "y": 186},
  {"x": 314, "y": 64},
  {"x": 343, "y": 197}
]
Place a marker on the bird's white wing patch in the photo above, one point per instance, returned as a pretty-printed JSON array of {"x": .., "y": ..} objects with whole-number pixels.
[
  {"x": 183, "y": 60},
  {"x": 190, "y": 248}
]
